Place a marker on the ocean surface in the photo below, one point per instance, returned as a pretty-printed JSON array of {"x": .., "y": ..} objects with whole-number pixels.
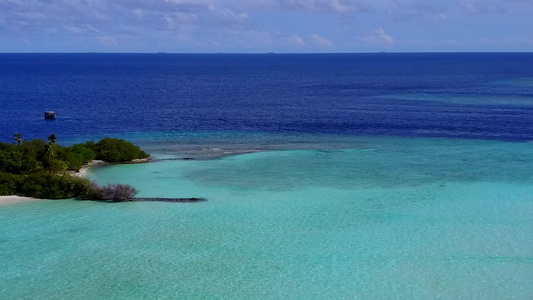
[{"x": 328, "y": 176}]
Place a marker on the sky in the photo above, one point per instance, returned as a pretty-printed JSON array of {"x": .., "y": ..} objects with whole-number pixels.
[{"x": 258, "y": 26}]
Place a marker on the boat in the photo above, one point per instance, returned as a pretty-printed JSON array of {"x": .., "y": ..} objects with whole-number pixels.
[{"x": 49, "y": 115}]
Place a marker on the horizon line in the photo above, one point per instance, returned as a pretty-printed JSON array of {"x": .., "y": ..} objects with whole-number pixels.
[{"x": 274, "y": 53}]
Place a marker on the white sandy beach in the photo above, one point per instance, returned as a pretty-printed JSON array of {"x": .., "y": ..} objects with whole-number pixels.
[
  {"x": 4, "y": 200},
  {"x": 83, "y": 171}
]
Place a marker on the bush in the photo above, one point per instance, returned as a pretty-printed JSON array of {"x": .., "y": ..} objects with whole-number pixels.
[
  {"x": 74, "y": 161},
  {"x": 9, "y": 184},
  {"x": 7, "y": 147},
  {"x": 89, "y": 191},
  {"x": 10, "y": 162},
  {"x": 18, "y": 162},
  {"x": 48, "y": 186},
  {"x": 117, "y": 192},
  {"x": 85, "y": 150},
  {"x": 33, "y": 147},
  {"x": 117, "y": 150},
  {"x": 91, "y": 145},
  {"x": 57, "y": 166},
  {"x": 31, "y": 168}
]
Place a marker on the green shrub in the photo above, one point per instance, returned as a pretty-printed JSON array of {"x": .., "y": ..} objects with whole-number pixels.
[
  {"x": 9, "y": 184},
  {"x": 91, "y": 145},
  {"x": 60, "y": 152},
  {"x": 49, "y": 186},
  {"x": 31, "y": 168},
  {"x": 57, "y": 166},
  {"x": 33, "y": 147},
  {"x": 74, "y": 161},
  {"x": 87, "y": 153},
  {"x": 18, "y": 162},
  {"x": 9, "y": 162},
  {"x": 6, "y": 147},
  {"x": 117, "y": 150},
  {"x": 88, "y": 190}
]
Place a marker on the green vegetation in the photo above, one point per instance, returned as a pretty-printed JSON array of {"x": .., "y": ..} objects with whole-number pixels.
[
  {"x": 50, "y": 186},
  {"x": 115, "y": 150},
  {"x": 39, "y": 169},
  {"x": 9, "y": 183}
]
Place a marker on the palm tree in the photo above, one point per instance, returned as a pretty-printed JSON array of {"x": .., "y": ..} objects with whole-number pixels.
[
  {"x": 52, "y": 139},
  {"x": 18, "y": 139},
  {"x": 49, "y": 149},
  {"x": 48, "y": 152}
]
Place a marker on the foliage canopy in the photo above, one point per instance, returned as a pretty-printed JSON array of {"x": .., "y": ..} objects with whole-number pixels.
[{"x": 38, "y": 169}]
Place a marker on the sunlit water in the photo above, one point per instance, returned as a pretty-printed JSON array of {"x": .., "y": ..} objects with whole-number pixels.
[
  {"x": 387, "y": 218},
  {"x": 300, "y": 204}
]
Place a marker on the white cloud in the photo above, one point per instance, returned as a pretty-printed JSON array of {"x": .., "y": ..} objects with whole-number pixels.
[
  {"x": 321, "y": 41},
  {"x": 255, "y": 38},
  {"x": 38, "y": 15},
  {"x": 91, "y": 28},
  {"x": 82, "y": 29},
  {"x": 508, "y": 41},
  {"x": 169, "y": 21},
  {"x": 232, "y": 25},
  {"x": 379, "y": 36},
  {"x": 296, "y": 40},
  {"x": 481, "y": 7},
  {"x": 138, "y": 13},
  {"x": 106, "y": 40},
  {"x": 403, "y": 11},
  {"x": 318, "y": 6},
  {"x": 72, "y": 29},
  {"x": 441, "y": 17}
]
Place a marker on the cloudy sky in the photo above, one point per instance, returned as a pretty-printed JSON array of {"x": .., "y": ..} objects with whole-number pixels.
[{"x": 265, "y": 25}]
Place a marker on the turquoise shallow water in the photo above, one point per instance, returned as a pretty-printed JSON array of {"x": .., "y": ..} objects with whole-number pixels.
[{"x": 388, "y": 218}]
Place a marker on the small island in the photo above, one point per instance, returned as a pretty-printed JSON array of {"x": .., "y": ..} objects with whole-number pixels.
[{"x": 45, "y": 170}]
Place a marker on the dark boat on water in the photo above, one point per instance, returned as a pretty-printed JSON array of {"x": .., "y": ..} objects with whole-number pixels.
[{"x": 49, "y": 115}]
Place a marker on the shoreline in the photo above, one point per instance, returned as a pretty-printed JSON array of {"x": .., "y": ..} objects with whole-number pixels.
[
  {"x": 6, "y": 200},
  {"x": 83, "y": 171},
  {"x": 97, "y": 163},
  {"x": 14, "y": 199}
]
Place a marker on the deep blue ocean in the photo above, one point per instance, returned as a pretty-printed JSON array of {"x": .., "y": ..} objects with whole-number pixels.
[{"x": 466, "y": 95}]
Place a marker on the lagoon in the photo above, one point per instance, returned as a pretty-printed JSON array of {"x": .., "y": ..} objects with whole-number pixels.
[{"x": 389, "y": 218}]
